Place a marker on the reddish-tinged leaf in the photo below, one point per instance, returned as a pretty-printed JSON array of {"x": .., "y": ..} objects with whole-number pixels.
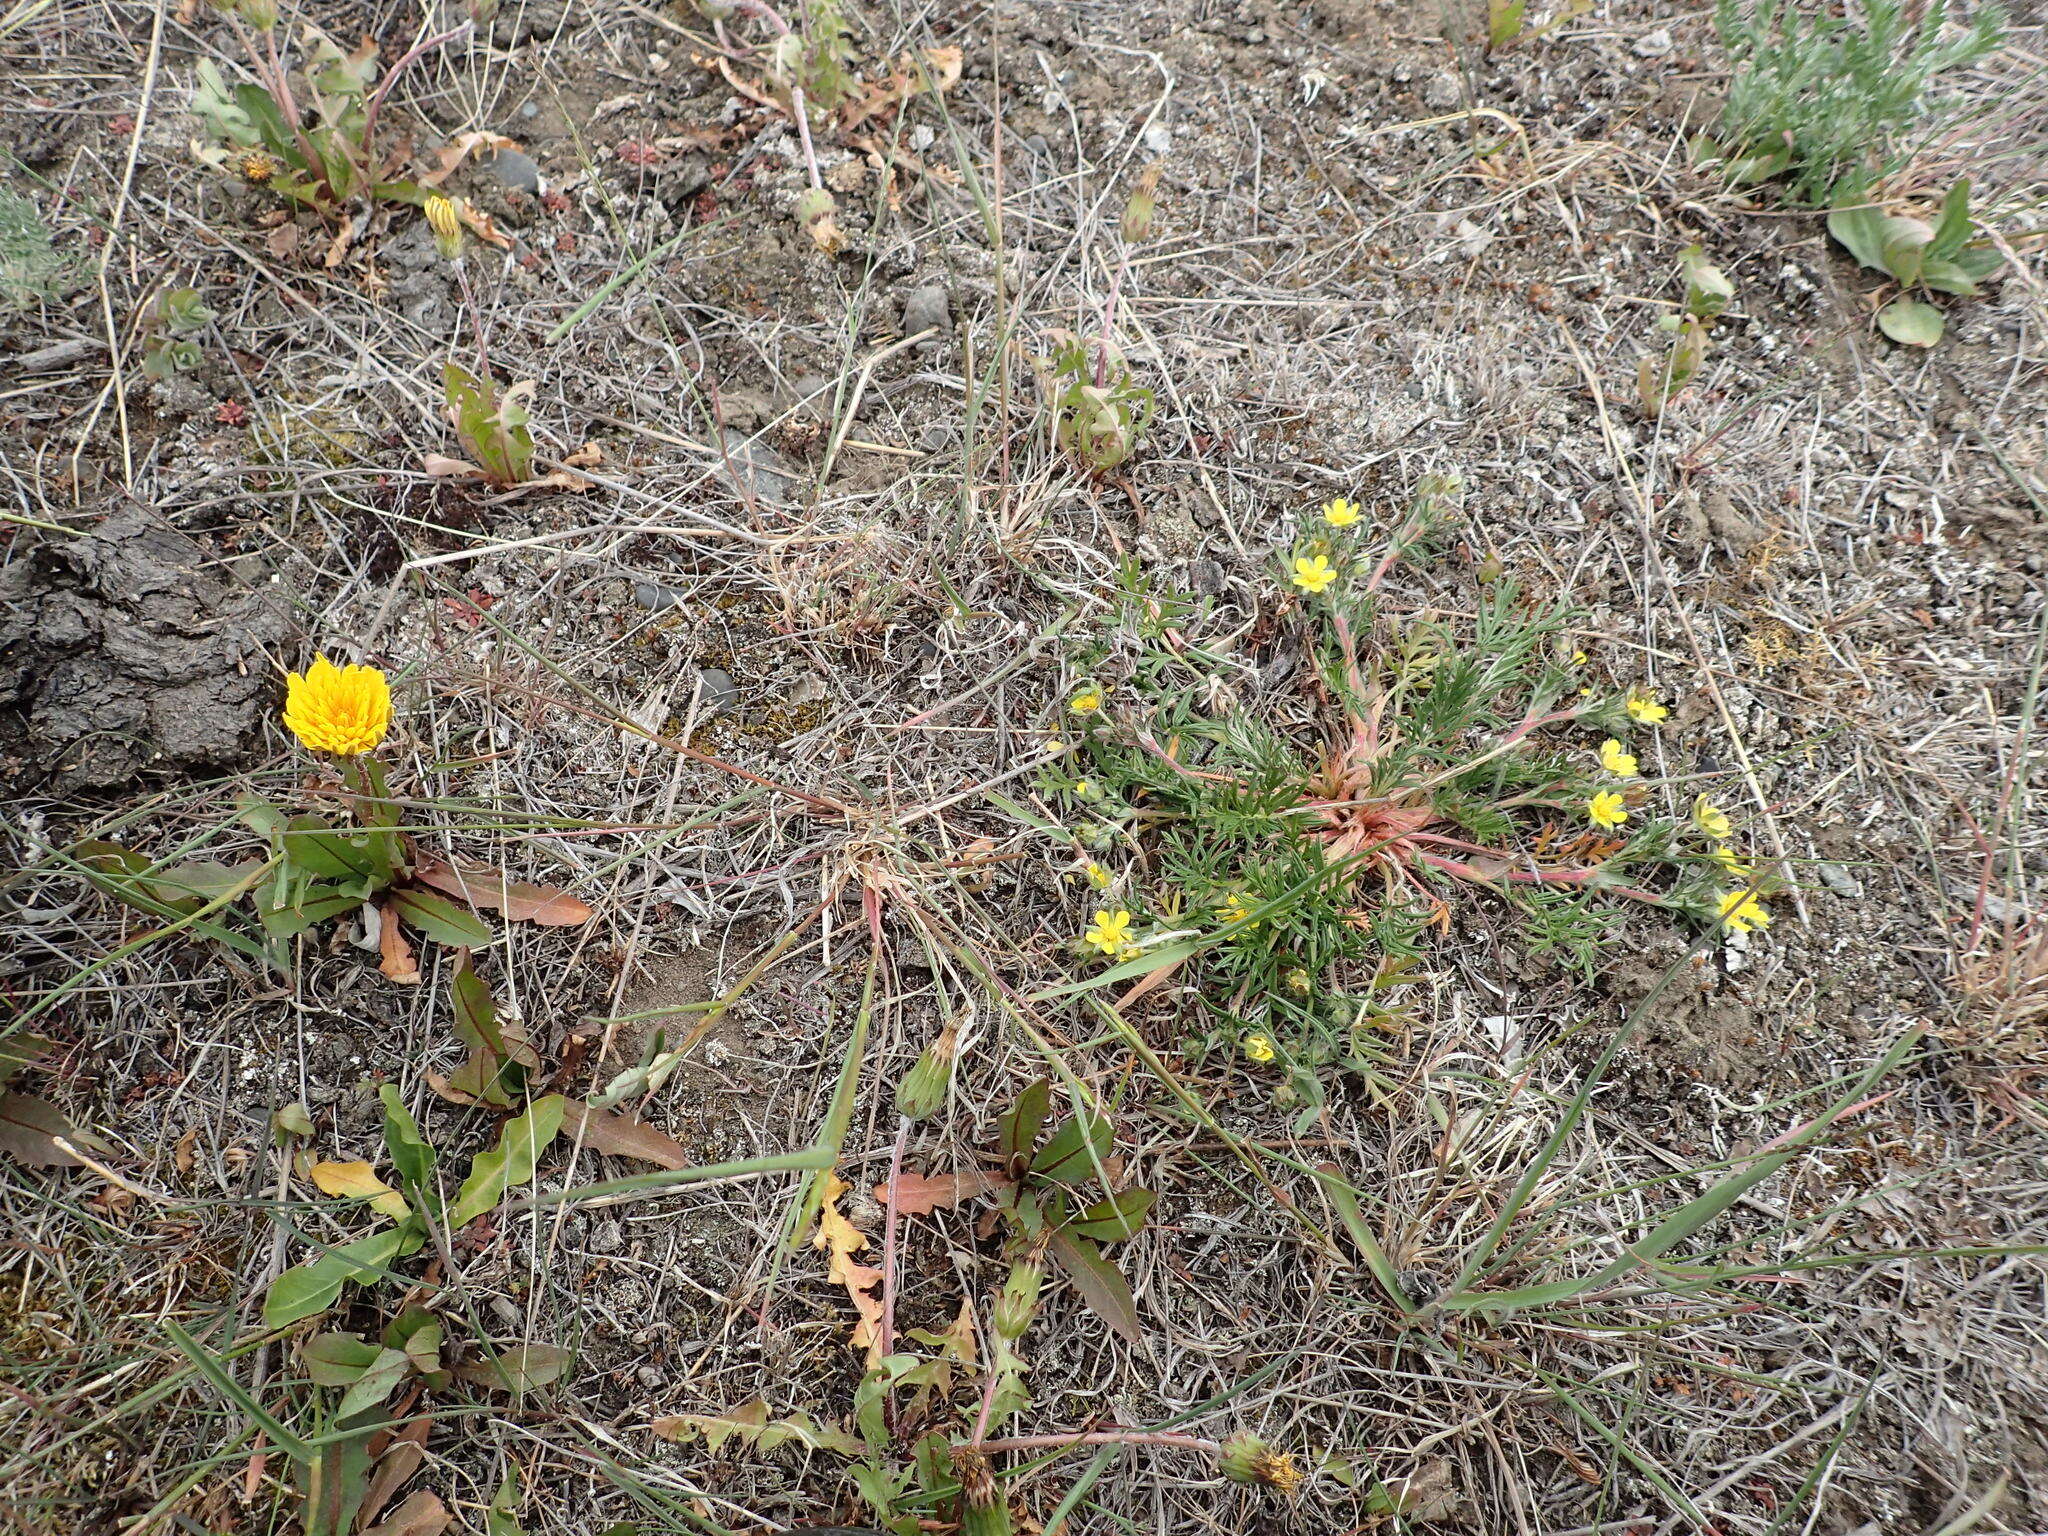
[
  {"x": 420, "y": 1514},
  {"x": 622, "y": 1136},
  {"x": 29, "y": 1128},
  {"x": 482, "y": 886},
  {"x": 919, "y": 1194},
  {"x": 1101, "y": 1284},
  {"x": 399, "y": 1459}
]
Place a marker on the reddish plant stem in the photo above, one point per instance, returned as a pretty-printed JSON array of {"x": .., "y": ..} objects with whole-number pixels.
[
  {"x": 768, "y": 13},
  {"x": 1102, "y": 1437},
  {"x": 391, "y": 78},
  {"x": 885, "y": 1335},
  {"x": 1463, "y": 871}
]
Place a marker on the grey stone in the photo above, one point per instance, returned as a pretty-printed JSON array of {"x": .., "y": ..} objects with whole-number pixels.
[
  {"x": 652, "y": 594},
  {"x": 937, "y": 436},
  {"x": 1838, "y": 880},
  {"x": 926, "y": 309},
  {"x": 514, "y": 170},
  {"x": 716, "y": 690},
  {"x": 755, "y": 469},
  {"x": 1443, "y": 91},
  {"x": 1653, "y": 45}
]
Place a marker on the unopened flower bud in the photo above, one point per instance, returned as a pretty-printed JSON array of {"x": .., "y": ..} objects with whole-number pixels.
[
  {"x": 1248, "y": 1459},
  {"x": 261, "y": 14},
  {"x": 922, "y": 1093},
  {"x": 447, "y": 226},
  {"x": 1018, "y": 1303},
  {"x": 1142, "y": 207}
]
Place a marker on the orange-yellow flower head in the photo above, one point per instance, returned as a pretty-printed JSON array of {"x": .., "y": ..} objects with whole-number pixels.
[{"x": 343, "y": 710}]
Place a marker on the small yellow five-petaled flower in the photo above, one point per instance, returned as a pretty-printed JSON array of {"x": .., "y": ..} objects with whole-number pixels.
[
  {"x": 1313, "y": 574},
  {"x": 1617, "y": 760},
  {"x": 343, "y": 710},
  {"x": 1259, "y": 1048},
  {"x": 1712, "y": 820},
  {"x": 1340, "y": 513},
  {"x": 1086, "y": 702},
  {"x": 1743, "y": 913},
  {"x": 1644, "y": 709},
  {"x": 1110, "y": 933},
  {"x": 1607, "y": 809}
]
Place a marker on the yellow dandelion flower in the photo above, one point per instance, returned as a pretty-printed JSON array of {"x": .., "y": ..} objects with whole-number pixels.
[
  {"x": 1607, "y": 809},
  {"x": 446, "y": 224},
  {"x": 1620, "y": 763},
  {"x": 1086, "y": 702},
  {"x": 1259, "y": 1048},
  {"x": 1313, "y": 575},
  {"x": 1743, "y": 913},
  {"x": 1712, "y": 820},
  {"x": 1110, "y": 933},
  {"x": 1340, "y": 513},
  {"x": 1644, "y": 709},
  {"x": 343, "y": 710}
]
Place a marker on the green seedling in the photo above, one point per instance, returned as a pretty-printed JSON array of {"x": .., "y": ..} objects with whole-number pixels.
[
  {"x": 167, "y": 345},
  {"x": 1099, "y": 414},
  {"x": 32, "y": 269},
  {"x": 1507, "y": 19},
  {"x": 1707, "y": 293},
  {"x": 491, "y": 425},
  {"x": 1917, "y": 255}
]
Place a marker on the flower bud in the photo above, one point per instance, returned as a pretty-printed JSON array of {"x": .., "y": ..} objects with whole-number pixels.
[
  {"x": 1248, "y": 1459},
  {"x": 1018, "y": 1303},
  {"x": 922, "y": 1092},
  {"x": 262, "y": 14},
  {"x": 983, "y": 1510},
  {"x": 1142, "y": 207},
  {"x": 447, "y": 226}
]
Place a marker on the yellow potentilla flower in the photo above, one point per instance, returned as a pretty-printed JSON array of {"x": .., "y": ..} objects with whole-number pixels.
[
  {"x": 1110, "y": 933},
  {"x": 1086, "y": 789},
  {"x": 343, "y": 710},
  {"x": 1607, "y": 809},
  {"x": 1340, "y": 513},
  {"x": 1743, "y": 913},
  {"x": 1129, "y": 952},
  {"x": 1644, "y": 708},
  {"x": 1729, "y": 860},
  {"x": 1097, "y": 875},
  {"x": 1235, "y": 909},
  {"x": 1578, "y": 658},
  {"x": 1712, "y": 820},
  {"x": 1086, "y": 702},
  {"x": 1259, "y": 1048},
  {"x": 1313, "y": 575},
  {"x": 1615, "y": 760}
]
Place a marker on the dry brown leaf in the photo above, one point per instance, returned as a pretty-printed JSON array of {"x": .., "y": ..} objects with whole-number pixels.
[
  {"x": 420, "y": 1514},
  {"x": 356, "y": 1181},
  {"x": 182, "y": 1155},
  {"x": 482, "y": 886},
  {"x": 587, "y": 457},
  {"x": 622, "y": 1136},
  {"x": 459, "y": 149},
  {"x": 558, "y": 480},
  {"x": 395, "y": 956},
  {"x": 399, "y": 1458},
  {"x": 941, "y": 71},
  {"x": 842, "y": 1239},
  {"x": 283, "y": 242},
  {"x": 441, "y": 467},
  {"x": 919, "y": 1194}
]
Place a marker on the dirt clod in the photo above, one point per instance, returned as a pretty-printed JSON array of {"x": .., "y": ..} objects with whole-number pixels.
[{"x": 125, "y": 649}]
